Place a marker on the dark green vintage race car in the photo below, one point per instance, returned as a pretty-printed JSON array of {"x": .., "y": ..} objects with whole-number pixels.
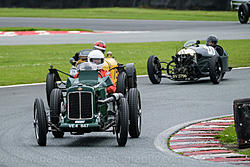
[
  {"x": 83, "y": 106},
  {"x": 192, "y": 62}
]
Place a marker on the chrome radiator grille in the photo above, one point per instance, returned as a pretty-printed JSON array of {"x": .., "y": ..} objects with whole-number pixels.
[{"x": 80, "y": 105}]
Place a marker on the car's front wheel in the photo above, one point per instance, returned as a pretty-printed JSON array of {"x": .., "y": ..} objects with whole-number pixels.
[
  {"x": 215, "y": 70},
  {"x": 122, "y": 123},
  {"x": 40, "y": 122},
  {"x": 134, "y": 102},
  {"x": 154, "y": 69}
]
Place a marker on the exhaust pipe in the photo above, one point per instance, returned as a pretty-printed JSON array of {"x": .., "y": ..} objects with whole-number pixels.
[{"x": 113, "y": 97}]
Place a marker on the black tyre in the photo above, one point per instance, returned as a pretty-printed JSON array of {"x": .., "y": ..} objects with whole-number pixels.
[
  {"x": 50, "y": 85},
  {"x": 243, "y": 13},
  {"x": 122, "y": 118},
  {"x": 122, "y": 83},
  {"x": 40, "y": 122},
  {"x": 134, "y": 102},
  {"x": 215, "y": 70},
  {"x": 154, "y": 69},
  {"x": 132, "y": 80},
  {"x": 56, "y": 103}
]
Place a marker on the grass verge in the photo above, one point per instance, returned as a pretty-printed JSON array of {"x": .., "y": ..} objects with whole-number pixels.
[
  {"x": 228, "y": 136},
  {"x": 229, "y": 139},
  {"x": 122, "y": 13},
  {"x": 41, "y": 29},
  {"x": 29, "y": 63}
]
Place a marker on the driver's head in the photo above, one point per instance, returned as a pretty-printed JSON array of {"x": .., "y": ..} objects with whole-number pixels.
[
  {"x": 83, "y": 55},
  {"x": 100, "y": 45},
  {"x": 96, "y": 57},
  {"x": 212, "y": 40}
]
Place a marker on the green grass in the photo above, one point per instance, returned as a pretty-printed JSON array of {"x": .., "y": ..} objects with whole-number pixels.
[
  {"x": 41, "y": 29},
  {"x": 122, "y": 13},
  {"x": 229, "y": 139},
  {"x": 228, "y": 136},
  {"x": 29, "y": 64}
]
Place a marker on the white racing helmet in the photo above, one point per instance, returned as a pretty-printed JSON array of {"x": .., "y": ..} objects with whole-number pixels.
[{"x": 96, "y": 57}]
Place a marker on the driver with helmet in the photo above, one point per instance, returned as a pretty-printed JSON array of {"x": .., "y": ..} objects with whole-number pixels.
[
  {"x": 82, "y": 55},
  {"x": 96, "y": 58},
  {"x": 100, "y": 45},
  {"x": 212, "y": 40}
]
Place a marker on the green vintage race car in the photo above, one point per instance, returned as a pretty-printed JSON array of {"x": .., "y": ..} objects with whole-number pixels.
[
  {"x": 83, "y": 106},
  {"x": 192, "y": 62}
]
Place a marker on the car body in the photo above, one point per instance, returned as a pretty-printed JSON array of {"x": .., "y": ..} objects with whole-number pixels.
[
  {"x": 84, "y": 106},
  {"x": 236, "y": 3},
  {"x": 192, "y": 62},
  {"x": 123, "y": 76}
]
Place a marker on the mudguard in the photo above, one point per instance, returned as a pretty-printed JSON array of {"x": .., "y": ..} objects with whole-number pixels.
[{"x": 54, "y": 71}]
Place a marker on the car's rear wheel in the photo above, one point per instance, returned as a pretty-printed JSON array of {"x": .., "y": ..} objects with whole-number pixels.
[
  {"x": 56, "y": 105},
  {"x": 134, "y": 102},
  {"x": 122, "y": 124},
  {"x": 50, "y": 85},
  {"x": 40, "y": 122},
  {"x": 243, "y": 13},
  {"x": 122, "y": 83},
  {"x": 215, "y": 70},
  {"x": 154, "y": 69}
]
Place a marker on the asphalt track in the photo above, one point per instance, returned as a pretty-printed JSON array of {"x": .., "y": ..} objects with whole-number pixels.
[
  {"x": 142, "y": 30},
  {"x": 164, "y": 106}
]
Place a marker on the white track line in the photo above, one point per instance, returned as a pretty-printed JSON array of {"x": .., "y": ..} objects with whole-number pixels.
[
  {"x": 13, "y": 86},
  {"x": 198, "y": 149},
  {"x": 191, "y": 137},
  {"x": 205, "y": 127},
  {"x": 194, "y": 142},
  {"x": 190, "y": 132},
  {"x": 211, "y": 156}
]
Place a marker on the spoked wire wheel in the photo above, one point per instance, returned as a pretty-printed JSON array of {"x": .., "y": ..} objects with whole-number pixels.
[
  {"x": 243, "y": 13},
  {"x": 215, "y": 70}
]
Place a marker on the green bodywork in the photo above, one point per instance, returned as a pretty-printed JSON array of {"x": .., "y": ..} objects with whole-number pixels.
[
  {"x": 88, "y": 81},
  {"x": 203, "y": 61}
]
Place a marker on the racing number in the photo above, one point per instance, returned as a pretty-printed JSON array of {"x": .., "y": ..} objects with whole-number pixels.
[{"x": 210, "y": 50}]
